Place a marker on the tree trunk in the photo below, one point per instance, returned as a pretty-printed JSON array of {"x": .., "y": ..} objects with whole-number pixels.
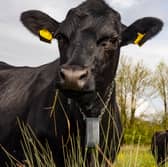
[{"x": 133, "y": 109}]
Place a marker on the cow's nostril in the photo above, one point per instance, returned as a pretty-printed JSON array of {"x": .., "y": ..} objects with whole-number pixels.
[
  {"x": 62, "y": 75},
  {"x": 83, "y": 76},
  {"x": 73, "y": 78}
]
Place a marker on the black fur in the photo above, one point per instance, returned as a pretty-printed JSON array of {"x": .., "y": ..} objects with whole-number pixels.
[{"x": 159, "y": 146}]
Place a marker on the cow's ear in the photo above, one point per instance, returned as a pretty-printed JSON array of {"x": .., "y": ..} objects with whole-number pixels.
[
  {"x": 141, "y": 31},
  {"x": 40, "y": 24}
]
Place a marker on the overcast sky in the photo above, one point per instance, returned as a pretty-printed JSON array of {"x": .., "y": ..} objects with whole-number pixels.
[{"x": 19, "y": 47}]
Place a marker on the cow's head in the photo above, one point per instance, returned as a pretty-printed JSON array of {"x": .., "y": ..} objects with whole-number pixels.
[{"x": 89, "y": 42}]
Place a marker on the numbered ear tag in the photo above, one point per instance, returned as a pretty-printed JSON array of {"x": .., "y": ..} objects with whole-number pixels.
[
  {"x": 45, "y": 35},
  {"x": 92, "y": 132},
  {"x": 140, "y": 36}
]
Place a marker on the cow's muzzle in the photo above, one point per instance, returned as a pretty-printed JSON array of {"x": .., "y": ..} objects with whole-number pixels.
[{"x": 74, "y": 77}]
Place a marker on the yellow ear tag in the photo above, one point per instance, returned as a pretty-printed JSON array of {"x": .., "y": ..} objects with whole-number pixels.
[
  {"x": 45, "y": 34},
  {"x": 139, "y": 38}
]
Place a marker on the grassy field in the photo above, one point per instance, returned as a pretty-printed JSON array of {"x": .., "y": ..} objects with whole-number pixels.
[
  {"x": 135, "y": 156},
  {"x": 132, "y": 155},
  {"x": 129, "y": 156}
]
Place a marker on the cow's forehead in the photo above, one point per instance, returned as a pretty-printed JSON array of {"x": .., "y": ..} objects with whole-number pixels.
[
  {"x": 102, "y": 26},
  {"x": 95, "y": 7},
  {"x": 104, "y": 23}
]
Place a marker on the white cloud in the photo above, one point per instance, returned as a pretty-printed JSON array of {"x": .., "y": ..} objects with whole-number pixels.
[
  {"x": 149, "y": 109},
  {"x": 122, "y": 3},
  {"x": 15, "y": 36},
  {"x": 151, "y": 53},
  {"x": 27, "y": 52}
]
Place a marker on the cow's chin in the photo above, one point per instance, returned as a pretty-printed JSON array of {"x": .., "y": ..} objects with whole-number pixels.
[
  {"x": 86, "y": 100},
  {"x": 76, "y": 94}
]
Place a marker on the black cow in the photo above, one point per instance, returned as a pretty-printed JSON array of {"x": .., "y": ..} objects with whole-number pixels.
[
  {"x": 89, "y": 42},
  {"x": 159, "y": 146}
]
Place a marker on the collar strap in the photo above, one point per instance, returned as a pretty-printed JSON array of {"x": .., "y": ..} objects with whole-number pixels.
[
  {"x": 108, "y": 94},
  {"x": 93, "y": 124},
  {"x": 92, "y": 132}
]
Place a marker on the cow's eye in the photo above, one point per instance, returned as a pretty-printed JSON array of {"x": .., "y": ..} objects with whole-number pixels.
[
  {"x": 107, "y": 42},
  {"x": 102, "y": 41},
  {"x": 113, "y": 40}
]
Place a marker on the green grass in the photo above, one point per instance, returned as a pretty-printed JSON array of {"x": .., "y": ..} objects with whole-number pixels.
[
  {"x": 129, "y": 156},
  {"x": 132, "y": 155},
  {"x": 135, "y": 156}
]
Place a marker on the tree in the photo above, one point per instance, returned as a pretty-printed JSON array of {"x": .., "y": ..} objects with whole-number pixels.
[
  {"x": 160, "y": 84},
  {"x": 123, "y": 87},
  {"x": 139, "y": 79},
  {"x": 132, "y": 81}
]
